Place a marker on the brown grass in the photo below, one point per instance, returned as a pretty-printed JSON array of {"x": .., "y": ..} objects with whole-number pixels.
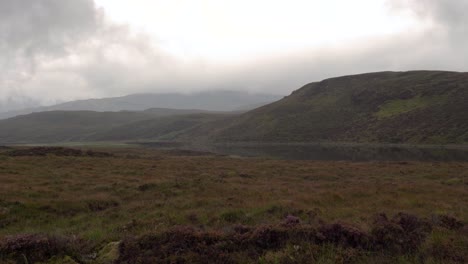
[{"x": 139, "y": 191}]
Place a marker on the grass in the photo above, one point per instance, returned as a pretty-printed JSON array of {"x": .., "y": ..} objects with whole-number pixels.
[
  {"x": 397, "y": 107},
  {"x": 106, "y": 199},
  {"x": 418, "y": 107}
]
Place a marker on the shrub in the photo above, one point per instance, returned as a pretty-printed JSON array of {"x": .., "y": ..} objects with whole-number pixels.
[
  {"x": 34, "y": 248},
  {"x": 101, "y": 205},
  {"x": 402, "y": 234},
  {"x": 447, "y": 222}
]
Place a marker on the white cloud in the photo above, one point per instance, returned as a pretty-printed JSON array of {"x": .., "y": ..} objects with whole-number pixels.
[{"x": 53, "y": 50}]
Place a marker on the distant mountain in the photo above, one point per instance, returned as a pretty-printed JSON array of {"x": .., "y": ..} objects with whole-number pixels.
[
  {"x": 209, "y": 101},
  {"x": 389, "y": 107},
  {"x": 418, "y": 107}
]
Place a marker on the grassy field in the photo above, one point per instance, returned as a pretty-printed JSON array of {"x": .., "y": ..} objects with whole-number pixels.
[{"x": 141, "y": 198}]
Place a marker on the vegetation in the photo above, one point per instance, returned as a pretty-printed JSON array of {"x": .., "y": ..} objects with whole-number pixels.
[
  {"x": 104, "y": 204},
  {"x": 60, "y": 205},
  {"x": 388, "y": 107},
  {"x": 397, "y": 107},
  {"x": 166, "y": 128},
  {"x": 167, "y": 103},
  {"x": 69, "y": 126},
  {"x": 421, "y": 107}
]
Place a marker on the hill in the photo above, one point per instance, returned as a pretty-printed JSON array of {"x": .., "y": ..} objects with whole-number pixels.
[
  {"x": 67, "y": 126},
  {"x": 388, "y": 107},
  {"x": 208, "y": 101},
  {"x": 418, "y": 107},
  {"x": 165, "y": 128}
]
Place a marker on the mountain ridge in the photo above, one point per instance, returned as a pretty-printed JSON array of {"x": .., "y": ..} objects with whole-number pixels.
[
  {"x": 416, "y": 107},
  {"x": 207, "y": 101},
  {"x": 85, "y": 126},
  {"x": 388, "y": 107}
]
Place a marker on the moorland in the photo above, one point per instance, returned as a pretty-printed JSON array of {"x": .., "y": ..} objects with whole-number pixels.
[
  {"x": 368, "y": 168},
  {"x": 139, "y": 205}
]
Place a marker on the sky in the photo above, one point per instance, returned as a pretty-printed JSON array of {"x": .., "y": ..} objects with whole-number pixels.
[{"x": 59, "y": 50}]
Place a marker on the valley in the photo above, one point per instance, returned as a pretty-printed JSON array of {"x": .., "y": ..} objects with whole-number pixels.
[
  {"x": 368, "y": 168},
  {"x": 417, "y": 107}
]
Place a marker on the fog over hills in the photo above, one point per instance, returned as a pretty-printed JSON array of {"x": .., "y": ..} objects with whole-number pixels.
[
  {"x": 208, "y": 101},
  {"x": 243, "y": 131},
  {"x": 417, "y": 107}
]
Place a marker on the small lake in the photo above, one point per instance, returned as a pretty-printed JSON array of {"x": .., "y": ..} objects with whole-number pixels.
[{"x": 331, "y": 152}]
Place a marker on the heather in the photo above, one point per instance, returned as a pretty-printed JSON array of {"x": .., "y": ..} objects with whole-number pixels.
[{"x": 136, "y": 205}]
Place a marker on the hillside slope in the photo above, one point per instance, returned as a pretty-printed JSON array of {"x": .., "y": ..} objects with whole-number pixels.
[
  {"x": 208, "y": 101},
  {"x": 61, "y": 126},
  {"x": 163, "y": 128},
  {"x": 419, "y": 107},
  {"x": 67, "y": 126},
  {"x": 389, "y": 107}
]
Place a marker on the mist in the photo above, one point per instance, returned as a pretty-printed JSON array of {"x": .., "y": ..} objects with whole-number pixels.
[{"x": 53, "y": 51}]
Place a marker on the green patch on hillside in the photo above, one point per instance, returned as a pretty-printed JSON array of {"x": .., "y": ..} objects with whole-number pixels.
[
  {"x": 324, "y": 101},
  {"x": 397, "y": 107},
  {"x": 417, "y": 107}
]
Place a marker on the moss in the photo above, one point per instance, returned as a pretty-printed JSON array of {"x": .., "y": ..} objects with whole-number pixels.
[
  {"x": 397, "y": 107},
  {"x": 109, "y": 254},
  {"x": 61, "y": 260}
]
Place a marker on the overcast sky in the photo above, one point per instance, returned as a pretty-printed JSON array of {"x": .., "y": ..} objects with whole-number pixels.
[{"x": 59, "y": 50}]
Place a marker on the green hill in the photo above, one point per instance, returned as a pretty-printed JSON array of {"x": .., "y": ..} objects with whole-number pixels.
[
  {"x": 389, "y": 107},
  {"x": 163, "y": 128},
  {"x": 75, "y": 126},
  {"x": 419, "y": 107}
]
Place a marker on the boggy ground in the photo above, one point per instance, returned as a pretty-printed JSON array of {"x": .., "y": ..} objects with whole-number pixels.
[{"x": 147, "y": 206}]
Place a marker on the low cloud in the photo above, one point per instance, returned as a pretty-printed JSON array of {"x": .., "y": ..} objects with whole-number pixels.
[
  {"x": 439, "y": 44},
  {"x": 33, "y": 33},
  {"x": 55, "y": 50}
]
